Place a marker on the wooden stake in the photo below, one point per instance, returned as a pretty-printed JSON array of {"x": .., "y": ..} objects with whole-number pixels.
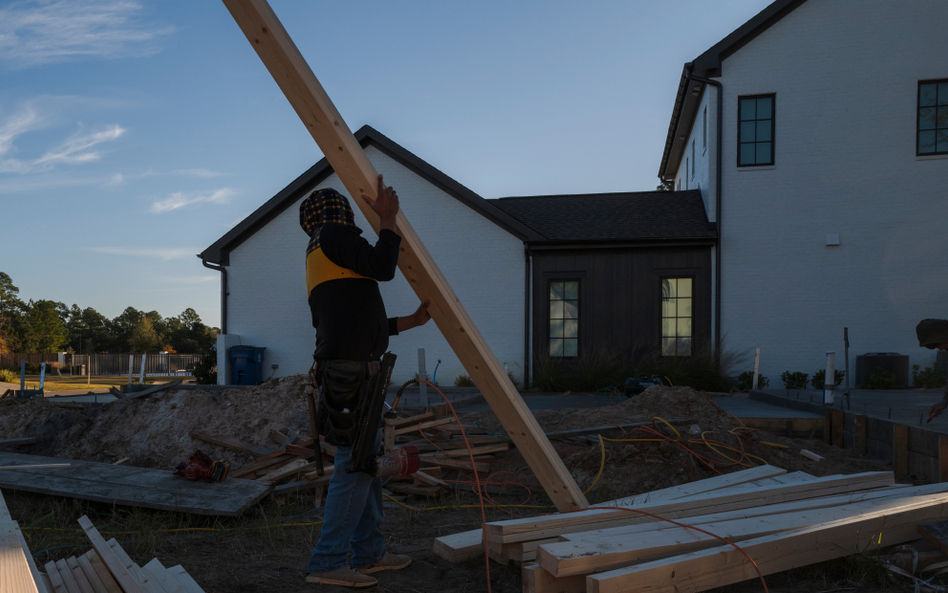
[{"x": 314, "y": 107}]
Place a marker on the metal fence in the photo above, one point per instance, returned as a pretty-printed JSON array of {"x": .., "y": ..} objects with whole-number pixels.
[{"x": 108, "y": 364}]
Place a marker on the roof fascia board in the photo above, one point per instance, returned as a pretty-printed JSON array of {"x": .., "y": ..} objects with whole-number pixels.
[
  {"x": 219, "y": 251},
  {"x": 643, "y": 243},
  {"x": 709, "y": 65}
]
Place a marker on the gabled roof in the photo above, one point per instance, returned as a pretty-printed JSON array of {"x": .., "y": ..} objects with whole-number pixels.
[
  {"x": 367, "y": 136},
  {"x": 629, "y": 217},
  {"x": 708, "y": 65}
]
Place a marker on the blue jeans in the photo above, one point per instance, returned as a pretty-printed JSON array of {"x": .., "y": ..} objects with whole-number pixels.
[{"x": 352, "y": 518}]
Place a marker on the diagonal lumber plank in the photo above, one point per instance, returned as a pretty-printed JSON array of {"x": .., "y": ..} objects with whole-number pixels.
[
  {"x": 294, "y": 77},
  {"x": 886, "y": 525},
  {"x": 102, "y": 572}
]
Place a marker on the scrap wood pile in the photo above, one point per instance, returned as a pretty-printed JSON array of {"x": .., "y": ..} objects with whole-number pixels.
[
  {"x": 778, "y": 520},
  {"x": 293, "y": 467},
  {"x": 106, "y": 568}
]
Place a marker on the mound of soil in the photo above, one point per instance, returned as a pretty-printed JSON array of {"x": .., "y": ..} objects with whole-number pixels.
[{"x": 153, "y": 430}]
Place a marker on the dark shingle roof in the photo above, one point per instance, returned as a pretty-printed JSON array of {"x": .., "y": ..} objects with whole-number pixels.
[{"x": 630, "y": 216}]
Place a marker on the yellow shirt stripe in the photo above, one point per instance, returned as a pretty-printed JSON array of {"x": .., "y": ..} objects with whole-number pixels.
[{"x": 319, "y": 269}]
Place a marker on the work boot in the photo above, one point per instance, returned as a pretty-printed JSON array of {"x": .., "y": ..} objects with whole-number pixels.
[
  {"x": 388, "y": 562},
  {"x": 345, "y": 577}
]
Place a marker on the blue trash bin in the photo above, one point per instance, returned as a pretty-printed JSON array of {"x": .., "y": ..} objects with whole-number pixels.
[{"x": 246, "y": 365}]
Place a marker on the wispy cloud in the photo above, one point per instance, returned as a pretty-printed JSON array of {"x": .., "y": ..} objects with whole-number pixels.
[
  {"x": 183, "y": 199},
  {"x": 206, "y": 173},
  {"x": 40, "y": 32},
  {"x": 163, "y": 253},
  {"x": 75, "y": 150},
  {"x": 115, "y": 180}
]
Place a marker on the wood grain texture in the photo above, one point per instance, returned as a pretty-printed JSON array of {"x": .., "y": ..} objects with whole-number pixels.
[
  {"x": 304, "y": 92},
  {"x": 181, "y": 575},
  {"x": 723, "y": 565},
  {"x": 105, "y": 576},
  {"x": 15, "y": 573},
  {"x": 91, "y": 575}
]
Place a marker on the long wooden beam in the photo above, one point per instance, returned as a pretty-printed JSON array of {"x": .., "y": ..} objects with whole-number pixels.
[{"x": 294, "y": 77}]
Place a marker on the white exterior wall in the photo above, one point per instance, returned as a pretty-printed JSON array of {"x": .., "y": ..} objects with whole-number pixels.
[
  {"x": 845, "y": 74},
  {"x": 483, "y": 263},
  {"x": 702, "y": 153}
]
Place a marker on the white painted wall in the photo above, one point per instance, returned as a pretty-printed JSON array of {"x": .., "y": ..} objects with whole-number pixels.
[
  {"x": 845, "y": 74},
  {"x": 483, "y": 263}
]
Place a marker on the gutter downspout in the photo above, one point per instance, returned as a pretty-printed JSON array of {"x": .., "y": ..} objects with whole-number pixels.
[
  {"x": 526, "y": 317},
  {"x": 223, "y": 272},
  {"x": 689, "y": 67}
]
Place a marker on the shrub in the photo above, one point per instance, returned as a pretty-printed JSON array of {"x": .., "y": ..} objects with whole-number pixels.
[
  {"x": 599, "y": 368},
  {"x": 820, "y": 376},
  {"x": 8, "y": 376},
  {"x": 794, "y": 380},
  {"x": 929, "y": 378},
  {"x": 745, "y": 381},
  {"x": 416, "y": 377},
  {"x": 463, "y": 381},
  {"x": 881, "y": 379},
  {"x": 205, "y": 370}
]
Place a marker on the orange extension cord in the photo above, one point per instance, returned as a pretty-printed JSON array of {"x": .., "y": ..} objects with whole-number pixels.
[{"x": 652, "y": 431}]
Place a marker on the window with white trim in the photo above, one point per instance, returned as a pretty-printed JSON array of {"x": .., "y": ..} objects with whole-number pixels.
[
  {"x": 677, "y": 316},
  {"x": 564, "y": 318}
]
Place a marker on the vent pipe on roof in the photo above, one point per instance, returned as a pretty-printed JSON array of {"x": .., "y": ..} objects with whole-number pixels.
[
  {"x": 689, "y": 74},
  {"x": 223, "y": 272}
]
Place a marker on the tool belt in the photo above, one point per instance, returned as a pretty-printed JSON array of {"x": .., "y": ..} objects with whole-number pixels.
[{"x": 343, "y": 391}]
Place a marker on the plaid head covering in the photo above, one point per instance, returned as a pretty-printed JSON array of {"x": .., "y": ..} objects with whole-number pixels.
[{"x": 323, "y": 206}]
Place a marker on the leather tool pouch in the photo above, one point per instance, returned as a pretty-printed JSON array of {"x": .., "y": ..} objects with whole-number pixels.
[{"x": 343, "y": 388}]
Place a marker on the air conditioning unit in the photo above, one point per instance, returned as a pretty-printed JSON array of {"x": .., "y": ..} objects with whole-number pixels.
[{"x": 891, "y": 362}]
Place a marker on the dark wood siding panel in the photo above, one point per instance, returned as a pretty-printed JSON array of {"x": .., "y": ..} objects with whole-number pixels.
[{"x": 621, "y": 294}]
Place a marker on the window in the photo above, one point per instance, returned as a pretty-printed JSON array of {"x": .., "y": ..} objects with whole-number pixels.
[
  {"x": 564, "y": 318},
  {"x": 692, "y": 158},
  {"x": 755, "y": 131},
  {"x": 932, "y": 117},
  {"x": 685, "y": 175},
  {"x": 676, "y": 316},
  {"x": 704, "y": 129}
]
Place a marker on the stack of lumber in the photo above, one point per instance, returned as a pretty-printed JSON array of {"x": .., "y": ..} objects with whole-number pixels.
[
  {"x": 106, "y": 568},
  {"x": 18, "y": 572},
  {"x": 780, "y": 520}
]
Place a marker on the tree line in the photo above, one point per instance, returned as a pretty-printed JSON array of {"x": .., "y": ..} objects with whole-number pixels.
[{"x": 51, "y": 326}]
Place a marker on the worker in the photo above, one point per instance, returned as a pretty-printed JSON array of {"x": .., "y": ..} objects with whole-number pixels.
[
  {"x": 932, "y": 334},
  {"x": 352, "y": 331}
]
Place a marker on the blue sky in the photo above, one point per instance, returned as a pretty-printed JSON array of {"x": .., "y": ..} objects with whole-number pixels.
[{"x": 133, "y": 134}]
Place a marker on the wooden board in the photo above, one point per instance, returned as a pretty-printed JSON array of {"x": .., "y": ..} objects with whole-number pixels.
[
  {"x": 314, "y": 107},
  {"x": 185, "y": 579},
  {"x": 104, "y": 575},
  {"x": 109, "y": 559},
  {"x": 93, "y": 577},
  {"x": 723, "y": 565},
  {"x": 741, "y": 513},
  {"x": 15, "y": 573},
  {"x": 588, "y": 556},
  {"x": 65, "y": 573},
  {"x": 143, "y": 578},
  {"x": 55, "y": 579},
  {"x": 164, "y": 578},
  {"x": 131, "y": 486},
  {"x": 538, "y": 580},
  {"x": 37, "y": 575},
  {"x": 547, "y": 526},
  {"x": 78, "y": 576},
  {"x": 231, "y": 443},
  {"x": 468, "y": 544}
]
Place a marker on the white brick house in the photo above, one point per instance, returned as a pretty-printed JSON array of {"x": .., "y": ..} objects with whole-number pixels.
[
  {"x": 478, "y": 248},
  {"x": 844, "y": 79}
]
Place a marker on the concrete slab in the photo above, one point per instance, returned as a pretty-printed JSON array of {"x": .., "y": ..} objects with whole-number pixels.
[{"x": 905, "y": 406}]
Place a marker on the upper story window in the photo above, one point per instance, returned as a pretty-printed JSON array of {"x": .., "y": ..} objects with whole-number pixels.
[
  {"x": 704, "y": 129},
  {"x": 755, "y": 130},
  {"x": 677, "y": 316},
  {"x": 685, "y": 175},
  {"x": 564, "y": 318},
  {"x": 692, "y": 158},
  {"x": 932, "y": 117}
]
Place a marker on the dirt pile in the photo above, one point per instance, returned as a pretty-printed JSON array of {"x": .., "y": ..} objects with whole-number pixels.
[{"x": 153, "y": 430}]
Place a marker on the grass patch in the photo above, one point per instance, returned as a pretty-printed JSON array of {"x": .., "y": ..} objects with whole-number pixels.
[{"x": 67, "y": 382}]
